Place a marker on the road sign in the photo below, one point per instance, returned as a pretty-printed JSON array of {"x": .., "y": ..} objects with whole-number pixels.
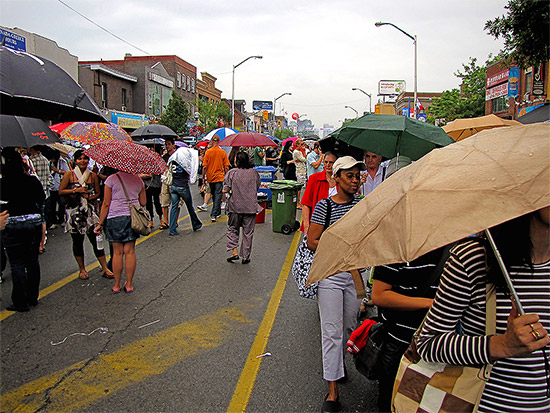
[
  {"x": 262, "y": 105},
  {"x": 266, "y": 114},
  {"x": 278, "y": 123}
]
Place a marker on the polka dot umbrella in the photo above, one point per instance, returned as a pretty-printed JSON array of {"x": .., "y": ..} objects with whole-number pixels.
[
  {"x": 90, "y": 133},
  {"x": 127, "y": 157}
]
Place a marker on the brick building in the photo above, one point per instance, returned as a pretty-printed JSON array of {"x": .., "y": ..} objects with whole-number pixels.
[
  {"x": 206, "y": 89},
  {"x": 512, "y": 92}
]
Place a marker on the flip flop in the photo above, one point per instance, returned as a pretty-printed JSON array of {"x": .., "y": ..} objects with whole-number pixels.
[
  {"x": 115, "y": 291},
  {"x": 127, "y": 290},
  {"x": 164, "y": 226},
  {"x": 85, "y": 277},
  {"x": 105, "y": 275}
]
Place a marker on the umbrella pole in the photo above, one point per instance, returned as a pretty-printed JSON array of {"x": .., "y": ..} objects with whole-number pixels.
[{"x": 507, "y": 278}]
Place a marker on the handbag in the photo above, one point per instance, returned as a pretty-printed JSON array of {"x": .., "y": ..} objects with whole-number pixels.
[
  {"x": 166, "y": 177},
  {"x": 367, "y": 360},
  {"x": 302, "y": 263},
  {"x": 139, "y": 215},
  {"x": 434, "y": 387}
]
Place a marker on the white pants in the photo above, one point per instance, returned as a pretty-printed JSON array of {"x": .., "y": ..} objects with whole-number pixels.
[{"x": 338, "y": 310}]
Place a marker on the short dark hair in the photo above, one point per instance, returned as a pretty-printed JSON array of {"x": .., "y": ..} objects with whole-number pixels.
[
  {"x": 243, "y": 161},
  {"x": 169, "y": 139},
  {"x": 78, "y": 154}
]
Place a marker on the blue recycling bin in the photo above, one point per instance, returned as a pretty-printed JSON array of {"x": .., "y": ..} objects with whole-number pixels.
[{"x": 267, "y": 175}]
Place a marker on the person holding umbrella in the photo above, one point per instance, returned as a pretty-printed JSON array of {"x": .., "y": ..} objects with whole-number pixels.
[
  {"x": 336, "y": 298},
  {"x": 81, "y": 187},
  {"x": 519, "y": 379}
]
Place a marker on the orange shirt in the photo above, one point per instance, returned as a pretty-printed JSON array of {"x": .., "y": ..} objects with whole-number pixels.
[{"x": 215, "y": 161}]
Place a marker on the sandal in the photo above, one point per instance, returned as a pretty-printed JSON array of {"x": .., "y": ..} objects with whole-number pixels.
[
  {"x": 127, "y": 290},
  {"x": 107, "y": 274},
  {"x": 83, "y": 275},
  {"x": 164, "y": 225}
]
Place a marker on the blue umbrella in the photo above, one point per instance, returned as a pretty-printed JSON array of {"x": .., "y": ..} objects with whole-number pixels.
[{"x": 221, "y": 132}]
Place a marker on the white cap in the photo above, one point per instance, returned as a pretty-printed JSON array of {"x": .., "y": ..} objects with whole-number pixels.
[{"x": 347, "y": 162}]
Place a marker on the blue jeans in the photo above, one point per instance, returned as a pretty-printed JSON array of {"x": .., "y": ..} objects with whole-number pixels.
[
  {"x": 22, "y": 241},
  {"x": 177, "y": 192},
  {"x": 216, "y": 190}
]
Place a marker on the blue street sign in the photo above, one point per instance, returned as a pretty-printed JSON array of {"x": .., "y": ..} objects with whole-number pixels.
[
  {"x": 262, "y": 105},
  {"x": 13, "y": 40}
]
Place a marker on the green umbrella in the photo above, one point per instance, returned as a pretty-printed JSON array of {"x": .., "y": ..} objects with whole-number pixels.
[{"x": 392, "y": 135}]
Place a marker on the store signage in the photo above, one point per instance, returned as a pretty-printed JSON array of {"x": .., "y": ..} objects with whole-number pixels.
[
  {"x": 391, "y": 87},
  {"x": 513, "y": 82},
  {"x": 262, "y": 105},
  {"x": 497, "y": 91},
  {"x": 498, "y": 78},
  {"x": 161, "y": 80},
  {"x": 125, "y": 120},
  {"x": 13, "y": 41},
  {"x": 538, "y": 81}
]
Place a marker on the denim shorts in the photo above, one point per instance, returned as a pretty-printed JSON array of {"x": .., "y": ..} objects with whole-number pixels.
[{"x": 119, "y": 229}]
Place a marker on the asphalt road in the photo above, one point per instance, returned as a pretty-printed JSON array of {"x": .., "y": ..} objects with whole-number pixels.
[{"x": 187, "y": 339}]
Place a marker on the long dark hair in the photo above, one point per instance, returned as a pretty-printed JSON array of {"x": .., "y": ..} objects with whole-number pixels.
[
  {"x": 513, "y": 240},
  {"x": 13, "y": 166},
  {"x": 288, "y": 144},
  {"x": 242, "y": 161}
]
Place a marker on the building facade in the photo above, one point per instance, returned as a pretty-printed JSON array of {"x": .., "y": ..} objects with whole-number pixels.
[
  {"x": 206, "y": 89},
  {"x": 512, "y": 92},
  {"x": 405, "y": 102}
]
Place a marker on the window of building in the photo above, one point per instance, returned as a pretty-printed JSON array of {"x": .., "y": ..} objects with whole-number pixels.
[
  {"x": 499, "y": 104},
  {"x": 123, "y": 98},
  {"x": 179, "y": 79},
  {"x": 104, "y": 95},
  {"x": 188, "y": 84},
  {"x": 193, "y": 85},
  {"x": 183, "y": 81}
]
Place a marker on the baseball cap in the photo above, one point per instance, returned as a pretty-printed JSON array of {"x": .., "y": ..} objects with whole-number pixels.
[
  {"x": 347, "y": 162},
  {"x": 215, "y": 138}
]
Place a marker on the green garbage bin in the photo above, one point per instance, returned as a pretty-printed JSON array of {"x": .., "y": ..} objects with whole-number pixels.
[{"x": 283, "y": 201}]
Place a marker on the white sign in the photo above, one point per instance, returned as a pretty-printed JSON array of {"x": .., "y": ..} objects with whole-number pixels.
[
  {"x": 162, "y": 80},
  {"x": 497, "y": 91},
  {"x": 391, "y": 87}
]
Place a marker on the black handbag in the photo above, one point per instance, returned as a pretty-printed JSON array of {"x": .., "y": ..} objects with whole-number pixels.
[{"x": 367, "y": 360}]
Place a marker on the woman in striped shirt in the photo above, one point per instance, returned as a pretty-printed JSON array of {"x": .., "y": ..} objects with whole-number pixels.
[{"x": 519, "y": 379}]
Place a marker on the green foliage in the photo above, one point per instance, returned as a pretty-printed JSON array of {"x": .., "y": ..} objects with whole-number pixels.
[
  {"x": 176, "y": 115},
  {"x": 525, "y": 30},
  {"x": 282, "y": 134},
  {"x": 211, "y": 113}
]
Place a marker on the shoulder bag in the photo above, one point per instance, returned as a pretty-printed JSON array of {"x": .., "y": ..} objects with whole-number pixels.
[
  {"x": 434, "y": 387},
  {"x": 139, "y": 215},
  {"x": 166, "y": 177},
  {"x": 302, "y": 263}
]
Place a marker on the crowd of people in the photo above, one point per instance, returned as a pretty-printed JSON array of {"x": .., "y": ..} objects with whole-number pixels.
[{"x": 448, "y": 284}]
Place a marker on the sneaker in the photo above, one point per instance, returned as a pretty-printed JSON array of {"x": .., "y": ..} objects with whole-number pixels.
[
  {"x": 213, "y": 219},
  {"x": 203, "y": 207},
  {"x": 197, "y": 229},
  {"x": 223, "y": 205}
]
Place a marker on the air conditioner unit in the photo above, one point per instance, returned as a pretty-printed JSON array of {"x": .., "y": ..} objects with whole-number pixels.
[{"x": 123, "y": 108}]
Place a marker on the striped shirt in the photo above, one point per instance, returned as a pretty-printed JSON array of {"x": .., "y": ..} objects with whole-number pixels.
[
  {"x": 516, "y": 384},
  {"x": 337, "y": 211}
]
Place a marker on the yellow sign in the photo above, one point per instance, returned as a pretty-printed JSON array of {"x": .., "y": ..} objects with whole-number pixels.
[
  {"x": 377, "y": 109},
  {"x": 129, "y": 123},
  {"x": 266, "y": 114}
]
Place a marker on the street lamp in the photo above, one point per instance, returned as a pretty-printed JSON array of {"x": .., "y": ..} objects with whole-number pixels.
[
  {"x": 368, "y": 94},
  {"x": 356, "y": 113},
  {"x": 378, "y": 24},
  {"x": 275, "y": 105},
  {"x": 233, "y": 89}
]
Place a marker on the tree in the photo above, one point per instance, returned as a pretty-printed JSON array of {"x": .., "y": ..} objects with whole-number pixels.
[
  {"x": 525, "y": 30},
  {"x": 176, "y": 115},
  {"x": 210, "y": 113},
  {"x": 282, "y": 134}
]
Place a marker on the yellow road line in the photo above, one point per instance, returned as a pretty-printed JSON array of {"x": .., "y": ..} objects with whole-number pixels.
[
  {"x": 243, "y": 390},
  {"x": 85, "y": 382}
]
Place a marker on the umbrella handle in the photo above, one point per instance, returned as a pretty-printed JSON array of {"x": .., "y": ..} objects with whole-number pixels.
[
  {"x": 359, "y": 284},
  {"x": 507, "y": 278}
]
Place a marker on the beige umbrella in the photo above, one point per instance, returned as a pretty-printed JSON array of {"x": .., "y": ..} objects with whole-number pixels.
[
  {"x": 463, "y": 128},
  {"x": 448, "y": 194}
]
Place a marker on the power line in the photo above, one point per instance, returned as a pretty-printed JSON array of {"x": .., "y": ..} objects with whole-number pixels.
[{"x": 102, "y": 28}]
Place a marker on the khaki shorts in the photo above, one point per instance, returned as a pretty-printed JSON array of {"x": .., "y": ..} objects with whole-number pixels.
[{"x": 166, "y": 198}]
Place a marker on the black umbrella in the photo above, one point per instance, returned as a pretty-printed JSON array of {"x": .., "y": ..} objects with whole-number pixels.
[
  {"x": 24, "y": 132},
  {"x": 33, "y": 86},
  {"x": 153, "y": 131}
]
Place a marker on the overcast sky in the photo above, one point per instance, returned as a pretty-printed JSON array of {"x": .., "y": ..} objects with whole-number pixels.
[{"x": 316, "y": 49}]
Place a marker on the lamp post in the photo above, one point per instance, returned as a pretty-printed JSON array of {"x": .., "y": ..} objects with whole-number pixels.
[
  {"x": 233, "y": 89},
  {"x": 378, "y": 24},
  {"x": 368, "y": 94},
  {"x": 356, "y": 113},
  {"x": 275, "y": 105}
]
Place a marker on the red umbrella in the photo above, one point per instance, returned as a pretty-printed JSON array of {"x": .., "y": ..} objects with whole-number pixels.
[
  {"x": 247, "y": 139},
  {"x": 127, "y": 157},
  {"x": 202, "y": 144},
  {"x": 59, "y": 127}
]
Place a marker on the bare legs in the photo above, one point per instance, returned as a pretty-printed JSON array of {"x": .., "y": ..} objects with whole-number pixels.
[{"x": 125, "y": 250}]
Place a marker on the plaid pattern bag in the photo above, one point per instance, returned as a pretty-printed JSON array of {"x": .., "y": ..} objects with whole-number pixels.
[{"x": 422, "y": 386}]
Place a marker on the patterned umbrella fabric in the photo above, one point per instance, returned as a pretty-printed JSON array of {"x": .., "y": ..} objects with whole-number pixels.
[
  {"x": 127, "y": 157},
  {"x": 221, "y": 132},
  {"x": 91, "y": 133},
  {"x": 247, "y": 139},
  {"x": 59, "y": 127}
]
